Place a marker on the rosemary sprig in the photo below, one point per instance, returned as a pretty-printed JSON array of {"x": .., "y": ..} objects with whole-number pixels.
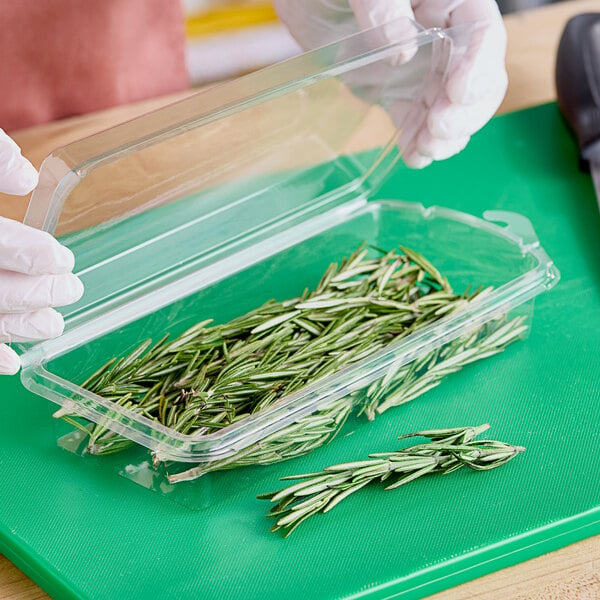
[
  {"x": 403, "y": 384},
  {"x": 296, "y": 439},
  {"x": 448, "y": 450},
  {"x": 398, "y": 386},
  {"x": 212, "y": 376}
]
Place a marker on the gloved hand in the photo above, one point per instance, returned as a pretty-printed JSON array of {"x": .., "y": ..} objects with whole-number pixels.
[
  {"x": 35, "y": 270},
  {"x": 475, "y": 85}
]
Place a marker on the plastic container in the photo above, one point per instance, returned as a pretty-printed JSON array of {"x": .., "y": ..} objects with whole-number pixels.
[{"x": 212, "y": 206}]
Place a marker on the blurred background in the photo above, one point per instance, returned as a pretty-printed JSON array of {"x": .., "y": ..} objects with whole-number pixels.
[
  {"x": 244, "y": 35},
  {"x": 98, "y": 55}
]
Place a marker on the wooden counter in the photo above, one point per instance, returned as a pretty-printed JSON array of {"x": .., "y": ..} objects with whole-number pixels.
[{"x": 574, "y": 571}]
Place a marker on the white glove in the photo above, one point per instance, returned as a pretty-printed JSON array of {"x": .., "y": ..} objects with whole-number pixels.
[
  {"x": 35, "y": 270},
  {"x": 475, "y": 86}
]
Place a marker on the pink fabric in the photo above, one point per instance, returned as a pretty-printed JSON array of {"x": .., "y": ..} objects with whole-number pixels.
[{"x": 65, "y": 57}]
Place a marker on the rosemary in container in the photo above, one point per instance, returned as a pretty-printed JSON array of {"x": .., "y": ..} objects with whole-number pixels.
[
  {"x": 213, "y": 376},
  {"x": 447, "y": 451}
]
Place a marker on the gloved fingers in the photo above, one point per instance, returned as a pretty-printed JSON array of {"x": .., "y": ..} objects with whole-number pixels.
[
  {"x": 409, "y": 119},
  {"x": 448, "y": 13},
  {"x": 31, "y": 251},
  {"x": 314, "y": 23},
  {"x": 23, "y": 293},
  {"x": 439, "y": 149},
  {"x": 370, "y": 13},
  {"x": 17, "y": 174},
  {"x": 476, "y": 80},
  {"x": 474, "y": 89},
  {"x": 414, "y": 159},
  {"x": 396, "y": 18},
  {"x": 448, "y": 121},
  {"x": 475, "y": 72},
  {"x": 436, "y": 13},
  {"x": 472, "y": 78},
  {"x": 9, "y": 361},
  {"x": 31, "y": 326},
  {"x": 418, "y": 144},
  {"x": 483, "y": 65}
]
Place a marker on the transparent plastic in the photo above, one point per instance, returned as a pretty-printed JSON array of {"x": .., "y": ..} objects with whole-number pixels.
[{"x": 247, "y": 192}]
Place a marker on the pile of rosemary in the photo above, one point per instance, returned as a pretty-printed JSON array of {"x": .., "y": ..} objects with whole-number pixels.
[
  {"x": 448, "y": 450},
  {"x": 213, "y": 376}
]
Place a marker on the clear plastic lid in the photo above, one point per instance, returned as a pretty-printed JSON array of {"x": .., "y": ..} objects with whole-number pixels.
[{"x": 167, "y": 203}]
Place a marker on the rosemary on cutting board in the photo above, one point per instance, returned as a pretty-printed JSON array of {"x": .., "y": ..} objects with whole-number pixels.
[
  {"x": 212, "y": 376},
  {"x": 447, "y": 451}
]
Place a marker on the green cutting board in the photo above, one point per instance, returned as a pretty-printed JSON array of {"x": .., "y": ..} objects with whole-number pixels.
[{"x": 80, "y": 530}]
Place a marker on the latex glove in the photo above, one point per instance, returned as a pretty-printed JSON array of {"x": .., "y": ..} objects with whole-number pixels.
[
  {"x": 476, "y": 84},
  {"x": 35, "y": 270}
]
